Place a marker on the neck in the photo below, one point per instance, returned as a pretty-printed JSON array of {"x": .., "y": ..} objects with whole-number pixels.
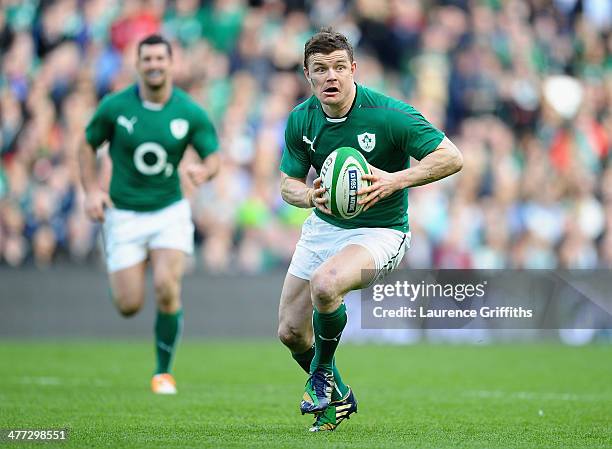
[
  {"x": 341, "y": 109},
  {"x": 160, "y": 95}
]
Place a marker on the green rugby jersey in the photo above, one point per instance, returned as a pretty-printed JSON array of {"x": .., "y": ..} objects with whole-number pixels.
[
  {"x": 385, "y": 130},
  {"x": 147, "y": 142}
]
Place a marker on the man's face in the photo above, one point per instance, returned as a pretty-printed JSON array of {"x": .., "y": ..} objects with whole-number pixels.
[
  {"x": 331, "y": 76},
  {"x": 154, "y": 64}
]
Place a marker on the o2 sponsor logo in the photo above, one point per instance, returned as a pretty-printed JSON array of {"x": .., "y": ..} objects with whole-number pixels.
[{"x": 143, "y": 152}]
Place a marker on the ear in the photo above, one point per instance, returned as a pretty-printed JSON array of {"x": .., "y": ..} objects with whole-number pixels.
[{"x": 307, "y": 74}]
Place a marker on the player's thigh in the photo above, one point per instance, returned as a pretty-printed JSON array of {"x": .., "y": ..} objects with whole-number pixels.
[
  {"x": 351, "y": 268},
  {"x": 365, "y": 255},
  {"x": 128, "y": 288},
  {"x": 295, "y": 313},
  {"x": 174, "y": 229},
  {"x": 125, "y": 235}
]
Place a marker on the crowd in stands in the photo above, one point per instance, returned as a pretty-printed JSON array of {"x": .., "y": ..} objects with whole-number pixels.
[{"x": 523, "y": 88}]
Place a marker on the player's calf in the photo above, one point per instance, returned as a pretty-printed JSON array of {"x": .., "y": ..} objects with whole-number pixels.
[{"x": 295, "y": 339}]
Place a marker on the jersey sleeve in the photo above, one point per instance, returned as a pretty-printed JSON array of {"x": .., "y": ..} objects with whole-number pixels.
[
  {"x": 100, "y": 126},
  {"x": 413, "y": 133},
  {"x": 295, "y": 161},
  {"x": 204, "y": 137}
]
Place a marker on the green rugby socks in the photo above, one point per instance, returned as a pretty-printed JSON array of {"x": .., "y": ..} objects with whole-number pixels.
[
  {"x": 328, "y": 328},
  {"x": 304, "y": 359},
  {"x": 168, "y": 328}
]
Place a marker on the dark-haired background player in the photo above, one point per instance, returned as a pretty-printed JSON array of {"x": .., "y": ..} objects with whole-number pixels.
[{"x": 148, "y": 127}]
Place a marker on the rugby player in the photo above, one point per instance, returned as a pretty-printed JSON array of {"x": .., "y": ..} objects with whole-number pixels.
[
  {"x": 148, "y": 126},
  {"x": 335, "y": 255}
]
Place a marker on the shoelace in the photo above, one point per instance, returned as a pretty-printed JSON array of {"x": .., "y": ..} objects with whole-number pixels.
[{"x": 320, "y": 383}]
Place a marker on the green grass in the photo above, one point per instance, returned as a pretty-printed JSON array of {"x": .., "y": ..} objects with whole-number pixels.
[{"x": 246, "y": 395}]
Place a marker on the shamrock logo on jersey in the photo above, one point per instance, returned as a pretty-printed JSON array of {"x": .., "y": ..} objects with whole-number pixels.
[
  {"x": 367, "y": 141},
  {"x": 179, "y": 128}
]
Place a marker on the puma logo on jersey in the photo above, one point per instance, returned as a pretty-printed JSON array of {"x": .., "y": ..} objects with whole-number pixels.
[
  {"x": 127, "y": 124},
  {"x": 307, "y": 140}
]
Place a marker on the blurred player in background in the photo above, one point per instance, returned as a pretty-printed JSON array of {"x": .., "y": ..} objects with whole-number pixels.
[
  {"x": 148, "y": 127},
  {"x": 332, "y": 252}
]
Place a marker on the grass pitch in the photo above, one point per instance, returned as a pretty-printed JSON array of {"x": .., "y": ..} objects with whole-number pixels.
[{"x": 246, "y": 395}]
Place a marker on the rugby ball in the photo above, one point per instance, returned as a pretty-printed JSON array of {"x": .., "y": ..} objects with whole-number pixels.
[{"x": 341, "y": 176}]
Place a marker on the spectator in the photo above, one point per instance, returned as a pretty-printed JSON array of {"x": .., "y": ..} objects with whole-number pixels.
[{"x": 523, "y": 86}]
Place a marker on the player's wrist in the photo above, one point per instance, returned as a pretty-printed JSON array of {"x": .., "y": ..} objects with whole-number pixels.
[
  {"x": 91, "y": 188},
  {"x": 402, "y": 179},
  {"x": 310, "y": 198}
]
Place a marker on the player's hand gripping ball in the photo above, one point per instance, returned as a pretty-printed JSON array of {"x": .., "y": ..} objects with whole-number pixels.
[{"x": 341, "y": 177}]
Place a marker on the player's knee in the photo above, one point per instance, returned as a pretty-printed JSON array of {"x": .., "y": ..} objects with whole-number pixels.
[
  {"x": 324, "y": 287},
  {"x": 291, "y": 337},
  {"x": 165, "y": 288},
  {"x": 127, "y": 309}
]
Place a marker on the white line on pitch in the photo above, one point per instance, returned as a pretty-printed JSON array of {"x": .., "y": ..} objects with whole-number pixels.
[
  {"x": 46, "y": 381},
  {"x": 529, "y": 395}
]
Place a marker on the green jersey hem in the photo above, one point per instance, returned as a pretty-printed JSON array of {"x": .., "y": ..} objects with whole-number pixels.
[
  {"x": 346, "y": 224},
  {"x": 144, "y": 207}
]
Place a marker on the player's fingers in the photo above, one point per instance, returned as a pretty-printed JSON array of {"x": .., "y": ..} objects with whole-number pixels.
[
  {"x": 370, "y": 188},
  {"x": 100, "y": 209},
  {"x": 96, "y": 213},
  {"x": 108, "y": 202},
  {"x": 371, "y": 203},
  {"x": 367, "y": 189},
  {"x": 367, "y": 194},
  {"x": 369, "y": 177},
  {"x": 316, "y": 183},
  {"x": 324, "y": 209},
  {"x": 319, "y": 192},
  {"x": 320, "y": 200},
  {"x": 369, "y": 197}
]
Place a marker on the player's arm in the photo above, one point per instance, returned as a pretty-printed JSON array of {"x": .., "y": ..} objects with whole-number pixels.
[
  {"x": 295, "y": 191},
  {"x": 96, "y": 199},
  {"x": 445, "y": 160},
  {"x": 205, "y": 170},
  {"x": 99, "y": 130},
  {"x": 205, "y": 142},
  {"x": 294, "y": 166}
]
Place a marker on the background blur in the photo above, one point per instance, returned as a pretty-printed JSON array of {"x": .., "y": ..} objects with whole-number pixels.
[{"x": 524, "y": 88}]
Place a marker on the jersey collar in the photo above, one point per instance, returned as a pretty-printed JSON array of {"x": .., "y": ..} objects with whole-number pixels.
[
  {"x": 149, "y": 104},
  {"x": 345, "y": 116}
]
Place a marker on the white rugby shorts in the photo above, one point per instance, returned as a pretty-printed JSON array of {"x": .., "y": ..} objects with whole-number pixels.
[
  {"x": 129, "y": 235},
  {"x": 321, "y": 240}
]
